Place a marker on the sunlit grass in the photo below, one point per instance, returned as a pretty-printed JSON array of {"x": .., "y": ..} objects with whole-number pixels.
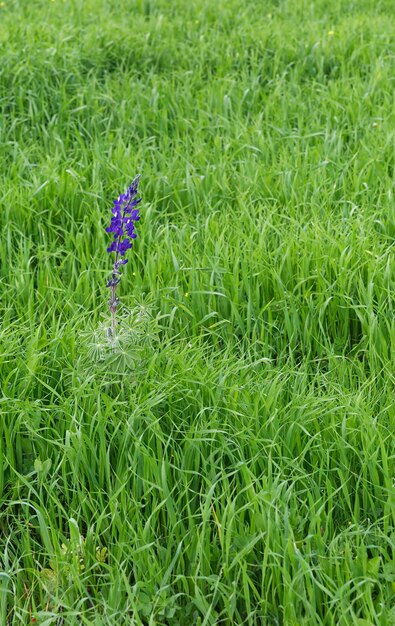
[{"x": 232, "y": 461}]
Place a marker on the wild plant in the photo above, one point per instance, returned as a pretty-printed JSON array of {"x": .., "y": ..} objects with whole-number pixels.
[{"x": 124, "y": 216}]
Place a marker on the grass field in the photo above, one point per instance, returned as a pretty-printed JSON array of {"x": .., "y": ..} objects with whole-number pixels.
[{"x": 232, "y": 461}]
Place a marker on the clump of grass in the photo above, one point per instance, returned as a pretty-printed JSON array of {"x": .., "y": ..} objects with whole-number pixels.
[{"x": 232, "y": 458}]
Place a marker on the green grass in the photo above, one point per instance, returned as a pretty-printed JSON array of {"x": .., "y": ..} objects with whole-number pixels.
[{"x": 234, "y": 463}]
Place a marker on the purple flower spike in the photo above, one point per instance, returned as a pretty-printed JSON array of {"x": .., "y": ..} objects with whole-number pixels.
[
  {"x": 124, "y": 215},
  {"x": 132, "y": 190}
]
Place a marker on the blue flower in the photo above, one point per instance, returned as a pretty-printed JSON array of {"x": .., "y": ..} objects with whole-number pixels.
[
  {"x": 124, "y": 215},
  {"x": 112, "y": 247},
  {"x": 124, "y": 246}
]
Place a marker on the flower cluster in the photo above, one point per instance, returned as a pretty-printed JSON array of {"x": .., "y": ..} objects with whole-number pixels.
[{"x": 122, "y": 223}]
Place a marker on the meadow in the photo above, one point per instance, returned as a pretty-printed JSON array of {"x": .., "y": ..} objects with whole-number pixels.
[{"x": 232, "y": 461}]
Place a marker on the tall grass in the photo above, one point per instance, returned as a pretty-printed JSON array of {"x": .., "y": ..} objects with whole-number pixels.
[{"x": 235, "y": 464}]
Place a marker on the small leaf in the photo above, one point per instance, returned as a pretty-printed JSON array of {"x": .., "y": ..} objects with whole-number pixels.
[
  {"x": 374, "y": 566},
  {"x": 38, "y": 466},
  {"x": 389, "y": 572},
  {"x": 49, "y": 579}
]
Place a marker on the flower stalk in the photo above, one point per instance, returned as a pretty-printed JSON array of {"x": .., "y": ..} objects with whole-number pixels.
[{"x": 122, "y": 226}]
